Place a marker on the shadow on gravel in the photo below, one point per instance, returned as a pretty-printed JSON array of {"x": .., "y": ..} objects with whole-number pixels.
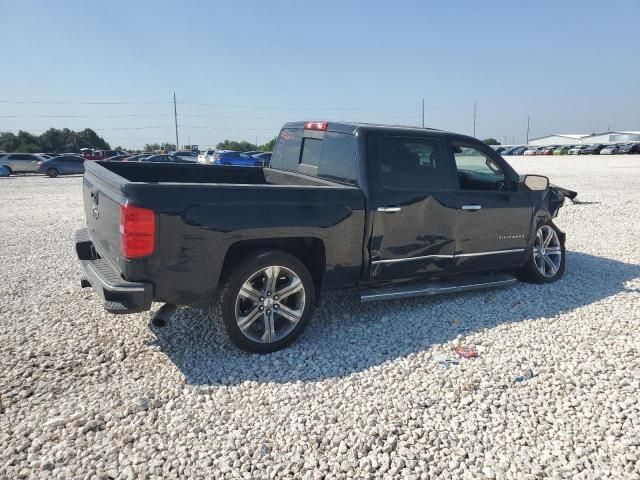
[{"x": 347, "y": 337}]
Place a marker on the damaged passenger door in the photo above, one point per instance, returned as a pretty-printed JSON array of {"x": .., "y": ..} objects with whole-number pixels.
[{"x": 414, "y": 210}]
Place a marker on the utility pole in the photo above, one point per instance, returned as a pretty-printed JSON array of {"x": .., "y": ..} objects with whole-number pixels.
[
  {"x": 528, "y": 119},
  {"x": 423, "y": 113},
  {"x": 475, "y": 108},
  {"x": 175, "y": 117}
]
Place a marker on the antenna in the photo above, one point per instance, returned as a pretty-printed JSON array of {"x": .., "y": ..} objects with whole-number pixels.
[
  {"x": 528, "y": 119},
  {"x": 423, "y": 113},
  {"x": 475, "y": 108},
  {"x": 175, "y": 117}
]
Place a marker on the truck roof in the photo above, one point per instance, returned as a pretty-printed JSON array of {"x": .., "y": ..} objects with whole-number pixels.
[{"x": 352, "y": 127}]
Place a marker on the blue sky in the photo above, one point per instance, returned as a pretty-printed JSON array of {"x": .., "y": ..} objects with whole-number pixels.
[{"x": 242, "y": 68}]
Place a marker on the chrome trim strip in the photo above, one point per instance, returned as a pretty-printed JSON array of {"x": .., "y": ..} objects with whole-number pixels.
[
  {"x": 424, "y": 257},
  {"x": 479, "y": 254},
  {"x": 396, "y": 260}
]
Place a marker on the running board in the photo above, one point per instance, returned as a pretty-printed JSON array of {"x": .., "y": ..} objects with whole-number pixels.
[{"x": 437, "y": 287}]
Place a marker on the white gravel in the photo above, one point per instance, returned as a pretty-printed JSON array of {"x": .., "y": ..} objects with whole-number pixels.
[{"x": 363, "y": 394}]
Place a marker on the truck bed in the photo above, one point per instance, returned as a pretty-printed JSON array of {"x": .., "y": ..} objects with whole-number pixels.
[
  {"x": 201, "y": 211},
  {"x": 199, "y": 173}
]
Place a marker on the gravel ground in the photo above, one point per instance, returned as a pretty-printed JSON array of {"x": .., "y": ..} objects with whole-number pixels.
[{"x": 366, "y": 392}]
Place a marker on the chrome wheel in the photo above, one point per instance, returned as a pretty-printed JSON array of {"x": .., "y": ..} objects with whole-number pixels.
[
  {"x": 547, "y": 251},
  {"x": 270, "y": 304}
]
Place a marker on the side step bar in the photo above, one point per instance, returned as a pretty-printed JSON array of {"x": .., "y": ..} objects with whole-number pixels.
[{"x": 437, "y": 287}]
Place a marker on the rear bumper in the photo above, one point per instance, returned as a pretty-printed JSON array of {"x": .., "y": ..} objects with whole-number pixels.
[{"x": 119, "y": 295}]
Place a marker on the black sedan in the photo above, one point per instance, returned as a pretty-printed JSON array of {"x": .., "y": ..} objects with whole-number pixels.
[
  {"x": 629, "y": 148},
  {"x": 592, "y": 150},
  {"x": 160, "y": 159}
]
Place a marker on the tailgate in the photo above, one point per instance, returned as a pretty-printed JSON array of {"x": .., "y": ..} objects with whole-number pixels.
[{"x": 102, "y": 200}]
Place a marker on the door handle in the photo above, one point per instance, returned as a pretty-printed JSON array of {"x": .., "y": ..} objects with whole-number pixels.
[
  {"x": 389, "y": 209},
  {"x": 471, "y": 207}
]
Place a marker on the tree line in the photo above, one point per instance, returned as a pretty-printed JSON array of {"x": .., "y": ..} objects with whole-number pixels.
[
  {"x": 53, "y": 140},
  {"x": 65, "y": 140},
  {"x": 244, "y": 146}
]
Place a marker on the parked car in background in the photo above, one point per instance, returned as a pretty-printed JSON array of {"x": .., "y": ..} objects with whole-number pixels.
[
  {"x": 91, "y": 154},
  {"x": 629, "y": 148},
  {"x": 577, "y": 150},
  {"x": 240, "y": 159},
  {"x": 188, "y": 155},
  {"x": 21, "y": 162},
  {"x": 547, "y": 150},
  {"x": 509, "y": 150},
  {"x": 592, "y": 150},
  {"x": 62, "y": 165},
  {"x": 610, "y": 150},
  {"x": 531, "y": 151},
  {"x": 136, "y": 158},
  {"x": 563, "y": 150},
  {"x": 205, "y": 157},
  {"x": 117, "y": 158},
  {"x": 519, "y": 150},
  {"x": 164, "y": 158},
  {"x": 4, "y": 172},
  {"x": 265, "y": 157}
]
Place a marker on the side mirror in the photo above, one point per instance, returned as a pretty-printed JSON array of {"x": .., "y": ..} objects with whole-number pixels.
[{"x": 536, "y": 182}]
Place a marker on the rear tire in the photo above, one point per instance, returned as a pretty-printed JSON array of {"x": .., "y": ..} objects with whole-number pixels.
[
  {"x": 265, "y": 301},
  {"x": 546, "y": 263},
  {"x": 52, "y": 173},
  {"x": 9, "y": 169}
]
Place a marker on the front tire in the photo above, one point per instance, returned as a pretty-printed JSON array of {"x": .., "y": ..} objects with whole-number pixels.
[
  {"x": 266, "y": 301},
  {"x": 52, "y": 173},
  {"x": 546, "y": 263},
  {"x": 9, "y": 169}
]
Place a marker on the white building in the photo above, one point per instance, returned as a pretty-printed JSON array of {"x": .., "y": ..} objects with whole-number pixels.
[
  {"x": 592, "y": 139},
  {"x": 612, "y": 137},
  {"x": 558, "y": 139}
]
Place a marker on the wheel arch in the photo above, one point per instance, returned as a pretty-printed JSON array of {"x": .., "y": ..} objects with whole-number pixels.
[{"x": 310, "y": 251}]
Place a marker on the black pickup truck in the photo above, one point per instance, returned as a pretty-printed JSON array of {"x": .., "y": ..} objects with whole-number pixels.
[{"x": 393, "y": 211}]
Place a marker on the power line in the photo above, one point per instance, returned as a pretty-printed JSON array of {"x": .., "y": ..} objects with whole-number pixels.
[
  {"x": 88, "y": 116},
  {"x": 219, "y": 105},
  {"x": 48, "y": 102}
]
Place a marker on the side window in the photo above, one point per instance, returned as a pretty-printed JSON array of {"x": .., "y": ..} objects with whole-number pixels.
[
  {"x": 411, "y": 163},
  {"x": 311, "y": 148},
  {"x": 338, "y": 158},
  {"x": 476, "y": 170}
]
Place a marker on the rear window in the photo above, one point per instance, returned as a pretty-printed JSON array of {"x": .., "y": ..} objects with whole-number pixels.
[
  {"x": 311, "y": 148},
  {"x": 332, "y": 157}
]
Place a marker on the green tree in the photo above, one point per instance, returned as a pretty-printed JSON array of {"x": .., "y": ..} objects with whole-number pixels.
[
  {"x": 491, "y": 141},
  {"x": 241, "y": 146},
  {"x": 53, "y": 140},
  {"x": 244, "y": 146},
  {"x": 150, "y": 147},
  {"x": 268, "y": 147}
]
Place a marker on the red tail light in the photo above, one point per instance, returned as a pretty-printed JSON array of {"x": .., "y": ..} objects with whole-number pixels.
[
  {"x": 316, "y": 125},
  {"x": 137, "y": 231}
]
